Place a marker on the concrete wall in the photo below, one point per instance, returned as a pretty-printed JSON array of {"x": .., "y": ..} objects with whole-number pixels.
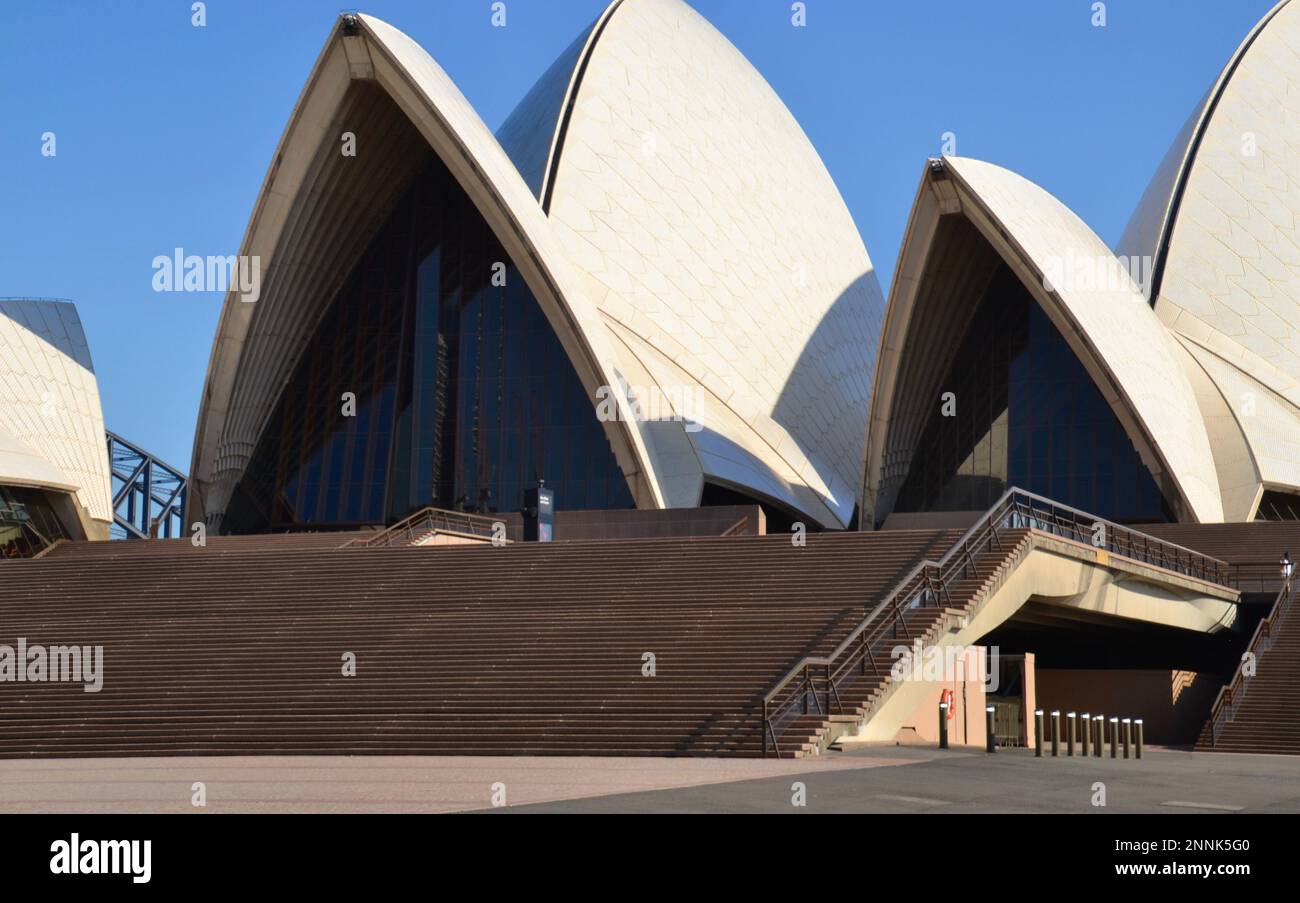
[
  {"x": 644, "y": 523},
  {"x": 931, "y": 520},
  {"x": 1172, "y": 704},
  {"x": 965, "y": 728}
]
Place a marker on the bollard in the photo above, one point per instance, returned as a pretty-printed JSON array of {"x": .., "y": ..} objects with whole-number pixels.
[
  {"x": 1128, "y": 729},
  {"x": 1086, "y": 722},
  {"x": 1038, "y": 733},
  {"x": 1056, "y": 734},
  {"x": 1137, "y": 725},
  {"x": 1100, "y": 737},
  {"x": 1070, "y": 723},
  {"x": 943, "y": 725},
  {"x": 1114, "y": 738},
  {"x": 991, "y": 743}
]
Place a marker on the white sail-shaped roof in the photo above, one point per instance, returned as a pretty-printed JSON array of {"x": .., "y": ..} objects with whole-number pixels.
[
  {"x": 1221, "y": 226},
  {"x": 721, "y": 258},
  {"x": 695, "y": 246},
  {"x": 51, "y": 423},
  {"x": 1105, "y": 319}
]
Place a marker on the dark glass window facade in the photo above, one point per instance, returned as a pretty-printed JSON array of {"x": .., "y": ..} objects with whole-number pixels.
[
  {"x": 1278, "y": 506},
  {"x": 28, "y": 523},
  {"x": 1027, "y": 415},
  {"x": 464, "y": 396}
]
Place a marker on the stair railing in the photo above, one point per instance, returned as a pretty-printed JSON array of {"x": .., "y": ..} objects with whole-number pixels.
[
  {"x": 927, "y": 584},
  {"x": 425, "y": 521},
  {"x": 1230, "y": 695}
]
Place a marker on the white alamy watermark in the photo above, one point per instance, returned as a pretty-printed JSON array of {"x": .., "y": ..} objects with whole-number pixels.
[
  {"x": 1073, "y": 272},
  {"x": 183, "y": 272},
  {"x": 642, "y": 404},
  {"x": 22, "y": 663},
  {"x": 75, "y": 856},
  {"x": 953, "y": 663}
]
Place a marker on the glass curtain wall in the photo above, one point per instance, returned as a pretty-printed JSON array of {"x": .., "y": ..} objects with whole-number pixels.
[
  {"x": 463, "y": 394},
  {"x": 28, "y": 523},
  {"x": 1027, "y": 414}
]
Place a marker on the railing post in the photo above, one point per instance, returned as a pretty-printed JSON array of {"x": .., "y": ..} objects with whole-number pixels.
[
  {"x": 828, "y": 690},
  {"x": 807, "y": 683},
  {"x": 763, "y": 728}
]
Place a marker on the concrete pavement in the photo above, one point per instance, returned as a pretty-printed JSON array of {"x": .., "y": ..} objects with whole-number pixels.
[
  {"x": 859, "y": 780},
  {"x": 326, "y": 784},
  {"x": 1011, "y": 781}
]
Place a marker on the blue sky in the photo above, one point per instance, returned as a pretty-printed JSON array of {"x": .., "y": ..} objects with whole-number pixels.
[{"x": 164, "y": 131}]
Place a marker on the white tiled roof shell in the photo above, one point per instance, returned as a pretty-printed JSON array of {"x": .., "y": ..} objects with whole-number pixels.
[
  {"x": 1115, "y": 320},
  {"x": 725, "y": 261},
  {"x": 228, "y": 428},
  {"x": 1231, "y": 283},
  {"x": 721, "y": 254},
  {"x": 51, "y": 422}
]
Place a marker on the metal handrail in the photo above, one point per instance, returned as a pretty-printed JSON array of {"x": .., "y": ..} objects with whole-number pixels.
[
  {"x": 739, "y": 528},
  {"x": 928, "y": 582},
  {"x": 1225, "y": 703},
  {"x": 427, "y": 520},
  {"x": 1256, "y": 576}
]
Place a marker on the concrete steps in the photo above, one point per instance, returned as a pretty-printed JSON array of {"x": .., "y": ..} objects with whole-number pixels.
[{"x": 527, "y": 649}]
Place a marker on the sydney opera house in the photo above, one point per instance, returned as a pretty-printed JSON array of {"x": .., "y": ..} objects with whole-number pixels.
[
  {"x": 666, "y": 233},
  {"x": 652, "y": 224},
  {"x": 645, "y": 293}
]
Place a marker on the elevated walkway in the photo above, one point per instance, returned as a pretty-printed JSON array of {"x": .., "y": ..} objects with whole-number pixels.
[{"x": 1026, "y": 548}]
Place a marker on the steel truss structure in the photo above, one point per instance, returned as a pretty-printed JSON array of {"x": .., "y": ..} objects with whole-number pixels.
[{"x": 148, "y": 493}]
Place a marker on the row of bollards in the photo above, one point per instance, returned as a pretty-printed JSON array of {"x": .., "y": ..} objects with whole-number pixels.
[{"x": 1092, "y": 733}]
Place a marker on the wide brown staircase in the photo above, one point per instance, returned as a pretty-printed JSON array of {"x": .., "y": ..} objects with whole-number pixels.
[
  {"x": 617, "y": 647},
  {"x": 525, "y": 648}
]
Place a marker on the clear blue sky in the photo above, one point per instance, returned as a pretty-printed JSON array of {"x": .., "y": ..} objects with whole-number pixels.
[{"x": 165, "y": 131}]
